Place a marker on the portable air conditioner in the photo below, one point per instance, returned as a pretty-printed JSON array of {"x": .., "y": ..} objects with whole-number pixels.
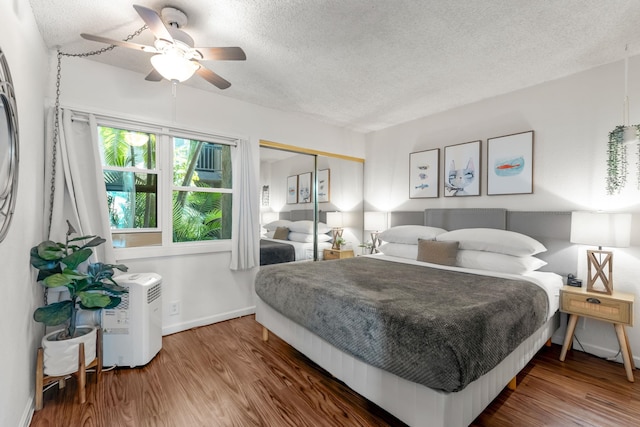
[{"x": 132, "y": 332}]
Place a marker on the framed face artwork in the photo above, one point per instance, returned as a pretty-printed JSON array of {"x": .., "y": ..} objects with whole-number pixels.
[
  {"x": 424, "y": 174},
  {"x": 292, "y": 189},
  {"x": 304, "y": 188},
  {"x": 462, "y": 169},
  {"x": 510, "y": 164}
]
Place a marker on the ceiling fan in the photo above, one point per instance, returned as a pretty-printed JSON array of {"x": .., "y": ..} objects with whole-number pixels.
[{"x": 175, "y": 59}]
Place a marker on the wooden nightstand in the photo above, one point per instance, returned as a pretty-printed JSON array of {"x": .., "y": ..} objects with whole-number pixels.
[
  {"x": 616, "y": 308},
  {"x": 337, "y": 254}
]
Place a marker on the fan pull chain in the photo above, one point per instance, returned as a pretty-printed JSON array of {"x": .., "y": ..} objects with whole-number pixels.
[{"x": 174, "y": 91}]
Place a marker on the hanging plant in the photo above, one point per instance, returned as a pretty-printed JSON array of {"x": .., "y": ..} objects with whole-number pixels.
[{"x": 617, "y": 159}]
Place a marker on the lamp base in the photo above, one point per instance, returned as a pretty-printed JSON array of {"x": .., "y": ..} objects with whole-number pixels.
[
  {"x": 375, "y": 242},
  {"x": 337, "y": 232},
  {"x": 598, "y": 280}
]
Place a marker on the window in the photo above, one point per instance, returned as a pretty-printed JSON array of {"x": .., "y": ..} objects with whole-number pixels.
[
  {"x": 149, "y": 207},
  {"x": 201, "y": 190}
]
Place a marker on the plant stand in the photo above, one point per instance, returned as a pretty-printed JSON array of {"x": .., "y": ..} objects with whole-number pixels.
[{"x": 43, "y": 380}]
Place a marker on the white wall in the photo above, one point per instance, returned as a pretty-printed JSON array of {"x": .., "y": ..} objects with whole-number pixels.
[
  {"x": 571, "y": 118},
  {"x": 203, "y": 284},
  {"x": 20, "y": 336}
]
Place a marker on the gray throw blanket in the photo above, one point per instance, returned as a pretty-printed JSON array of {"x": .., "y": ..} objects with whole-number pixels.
[
  {"x": 439, "y": 328},
  {"x": 275, "y": 252}
]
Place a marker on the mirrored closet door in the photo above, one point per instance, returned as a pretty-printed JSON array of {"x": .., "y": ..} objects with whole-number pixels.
[{"x": 304, "y": 185}]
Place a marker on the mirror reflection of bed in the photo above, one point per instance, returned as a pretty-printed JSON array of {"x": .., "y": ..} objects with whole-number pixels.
[
  {"x": 431, "y": 343},
  {"x": 291, "y": 237},
  {"x": 340, "y": 189}
]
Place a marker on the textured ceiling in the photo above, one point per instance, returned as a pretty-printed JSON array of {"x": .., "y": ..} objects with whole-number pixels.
[{"x": 367, "y": 64}]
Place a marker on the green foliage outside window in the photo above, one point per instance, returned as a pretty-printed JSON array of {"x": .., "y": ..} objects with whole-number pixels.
[{"x": 201, "y": 177}]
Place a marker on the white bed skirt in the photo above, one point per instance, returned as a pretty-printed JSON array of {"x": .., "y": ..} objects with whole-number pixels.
[{"x": 412, "y": 403}]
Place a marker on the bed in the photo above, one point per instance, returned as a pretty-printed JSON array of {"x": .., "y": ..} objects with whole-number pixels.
[
  {"x": 414, "y": 397},
  {"x": 297, "y": 242}
]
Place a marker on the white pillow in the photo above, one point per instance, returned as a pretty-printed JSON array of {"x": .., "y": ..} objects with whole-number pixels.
[
  {"x": 269, "y": 234},
  {"x": 493, "y": 240},
  {"x": 278, "y": 223},
  {"x": 492, "y": 261},
  {"x": 306, "y": 226},
  {"x": 401, "y": 250},
  {"x": 409, "y": 234},
  {"x": 307, "y": 238}
]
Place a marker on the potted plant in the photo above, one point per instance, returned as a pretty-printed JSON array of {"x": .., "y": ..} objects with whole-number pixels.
[
  {"x": 367, "y": 247},
  {"x": 91, "y": 287},
  {"x": 617, "y": 157}
]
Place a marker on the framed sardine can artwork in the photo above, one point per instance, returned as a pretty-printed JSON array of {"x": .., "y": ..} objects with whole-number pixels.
[
  {"x": 424, "y": 174},
  {"x": 292, "y": 189},
  {"x": 324, "y": 186},
  {"x": 462, "y": 169},
  {"x": 510, "y": 164}
]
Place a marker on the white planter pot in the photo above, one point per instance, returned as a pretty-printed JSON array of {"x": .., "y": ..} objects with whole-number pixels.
[{"x": 61, "y": 357}]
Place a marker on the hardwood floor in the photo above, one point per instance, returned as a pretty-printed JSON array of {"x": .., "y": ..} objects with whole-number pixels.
[{"x": 225, "y": 375}]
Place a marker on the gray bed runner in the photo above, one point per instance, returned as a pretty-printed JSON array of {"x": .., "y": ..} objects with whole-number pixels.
[{"x": 439, "y": 328}]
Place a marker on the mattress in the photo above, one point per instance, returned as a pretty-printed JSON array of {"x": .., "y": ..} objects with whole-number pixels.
[{"x": 411, "y": 402}]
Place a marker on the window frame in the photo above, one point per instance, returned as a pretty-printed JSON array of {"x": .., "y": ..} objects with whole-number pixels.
[{"x": 164, "y": 169}]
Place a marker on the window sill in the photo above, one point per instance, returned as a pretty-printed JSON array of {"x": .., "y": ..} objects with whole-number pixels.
[{"x": 123, "y": 254}]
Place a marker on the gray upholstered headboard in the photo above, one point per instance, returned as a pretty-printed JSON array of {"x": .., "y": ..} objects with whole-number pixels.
[
  {"x": 552, "y": 229},
  {"x": 302, "y": 214}
]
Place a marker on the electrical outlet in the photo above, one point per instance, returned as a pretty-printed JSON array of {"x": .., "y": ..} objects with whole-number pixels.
[{"x": 174, "y": 308}]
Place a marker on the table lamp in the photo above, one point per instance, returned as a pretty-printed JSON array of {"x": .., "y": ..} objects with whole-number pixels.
[
  {"x": 335, "y": 221},
  {"x": 600, "y": 229},
  {"x": 375, "y": 222}
]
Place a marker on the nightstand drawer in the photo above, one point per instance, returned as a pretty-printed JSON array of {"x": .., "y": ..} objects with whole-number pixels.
[
  {"x": 597, "y": 307},
  {"x": 337, "y": 254}
]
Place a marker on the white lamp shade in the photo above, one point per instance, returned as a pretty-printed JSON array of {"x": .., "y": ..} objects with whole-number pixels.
[
  {"x": 173, "y": 66},
  {"x": 375, "y": 221},
  {"x": 334, "y": 219},
  {"x": 601, "y": 229},
  {"x": 268, "y": 217}
]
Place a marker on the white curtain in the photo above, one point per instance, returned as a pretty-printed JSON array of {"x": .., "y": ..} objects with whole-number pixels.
[
  {"x": 245, "y": 233},
  {"x": 79, "y": 194}
]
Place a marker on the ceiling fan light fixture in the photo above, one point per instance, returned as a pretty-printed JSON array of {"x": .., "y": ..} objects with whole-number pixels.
[
  {"x": 136, "y": 139},
  {"x": 174, "y": 67}
]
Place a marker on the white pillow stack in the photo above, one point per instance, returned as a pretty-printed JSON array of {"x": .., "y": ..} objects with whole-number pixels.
[
  {"x": 496, "y": 250},
  {"x": 299, "y": 231},
  {"x": 478, "y": 248},
  {"x": 402, "y": 241}
]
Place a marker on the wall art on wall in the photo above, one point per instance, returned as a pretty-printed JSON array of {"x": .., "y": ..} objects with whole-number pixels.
[
  {"x": 462, "y": 169},
  {"x": 510, "y": 164},
  {"x": 304, "y": 188},
  {"x": 292, "y": 189},
  {"x": 424, "y": 174},
  {"x": 324, "y": 185}
]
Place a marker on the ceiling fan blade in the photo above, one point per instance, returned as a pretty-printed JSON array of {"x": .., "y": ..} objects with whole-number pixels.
[
  {"x": 222, "y": 53},
  {"x": 212, "y": 77},
  {"x": 154, "y": 76},
  {"x": 121, "y": 43},
  {"x": 154, "y": 22}
]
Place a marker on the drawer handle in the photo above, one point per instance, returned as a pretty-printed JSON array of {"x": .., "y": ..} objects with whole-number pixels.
[{"x": 593, "y": 300}]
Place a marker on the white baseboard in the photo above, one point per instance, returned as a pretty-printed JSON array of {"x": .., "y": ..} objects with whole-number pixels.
[
  {"x": 27, "y": 414},
  {"x": 209, "y": 320}
]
